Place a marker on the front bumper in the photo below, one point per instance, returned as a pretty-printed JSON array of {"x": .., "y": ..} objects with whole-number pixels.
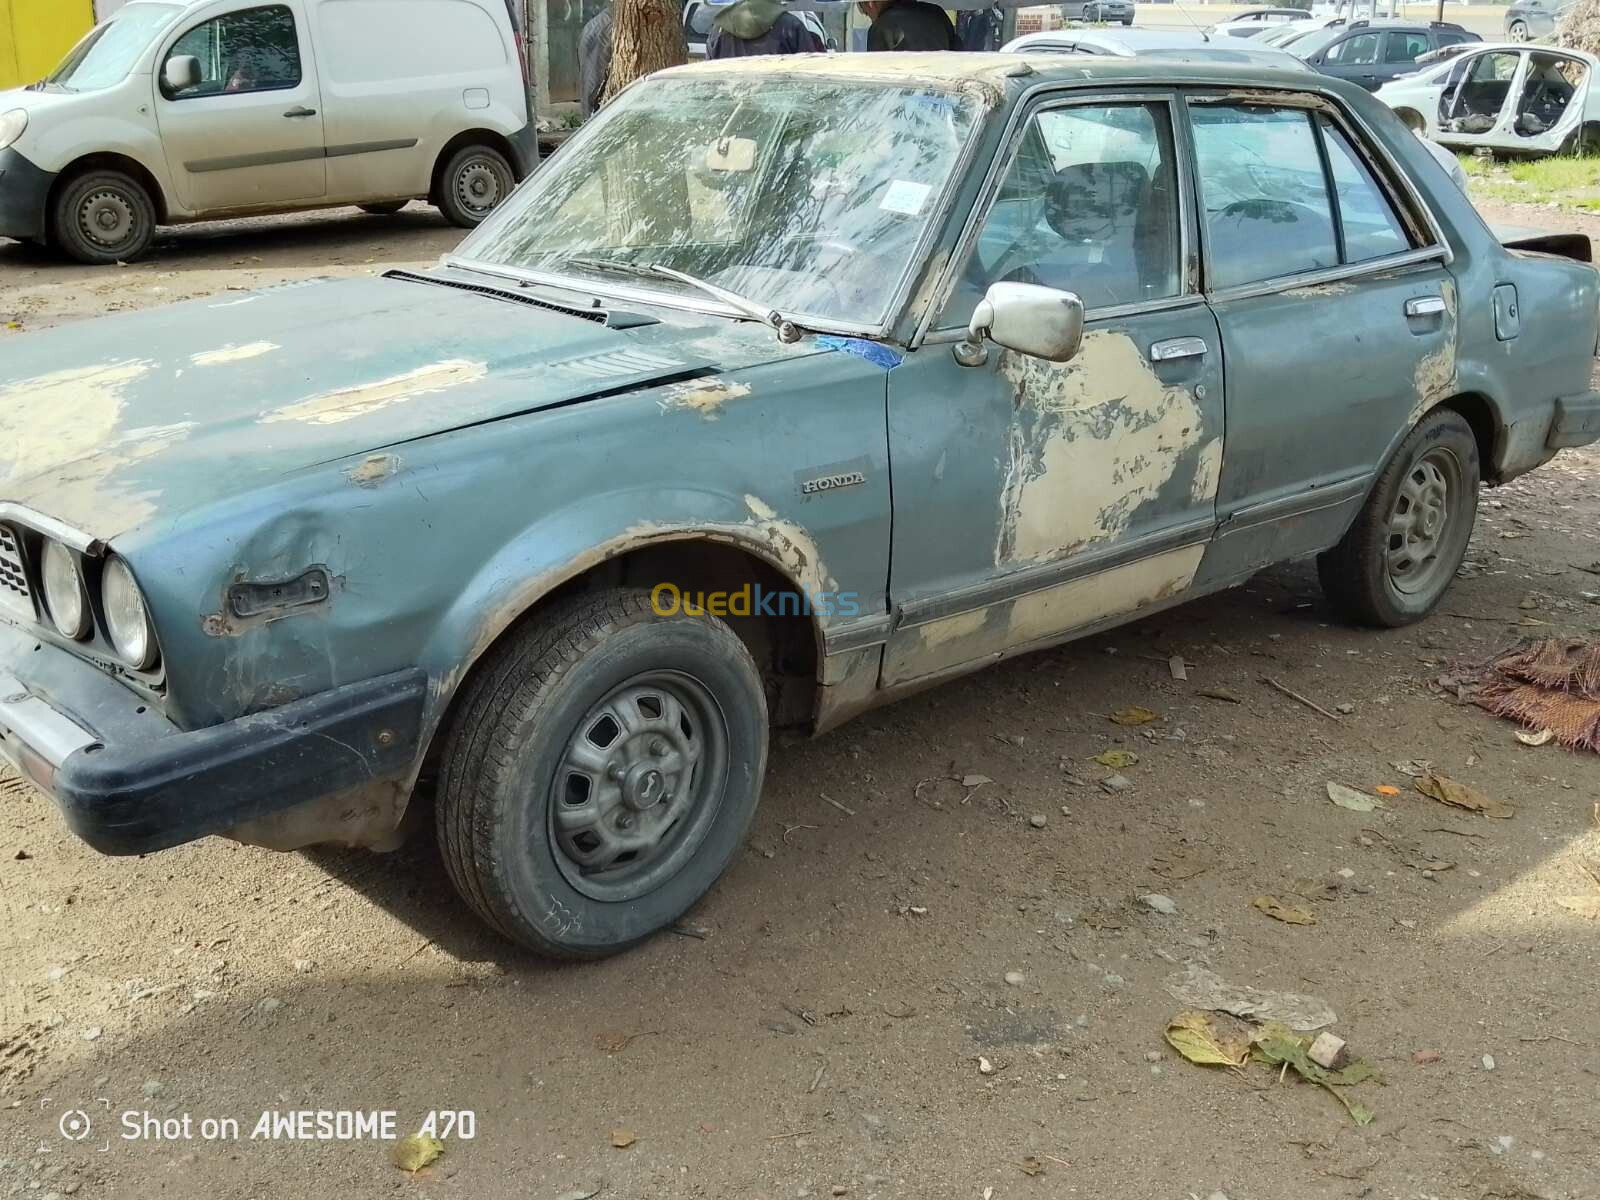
[
  {"x": 129, "y": 782},
  {"x": 1576, "y": 423},
  {"x": 24, "y": 196}
]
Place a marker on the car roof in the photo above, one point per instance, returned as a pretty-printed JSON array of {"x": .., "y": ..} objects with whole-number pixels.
[
  {"x": 1182, "y": 43},
  {"x": 945, "y": 71}
]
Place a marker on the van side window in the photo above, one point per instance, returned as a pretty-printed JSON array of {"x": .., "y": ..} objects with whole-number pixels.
[{"x": 254, "y": 50}]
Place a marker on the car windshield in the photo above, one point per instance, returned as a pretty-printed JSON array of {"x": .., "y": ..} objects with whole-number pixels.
[
  {"x": 805, "y": 195},
  {"x": 108, "y": 53}
]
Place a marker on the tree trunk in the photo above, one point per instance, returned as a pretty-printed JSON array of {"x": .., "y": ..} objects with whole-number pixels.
[{"x": 646, "y": 36}]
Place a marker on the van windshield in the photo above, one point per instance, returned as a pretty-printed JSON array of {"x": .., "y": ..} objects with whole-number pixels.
[{"x": 108, "y": 53}]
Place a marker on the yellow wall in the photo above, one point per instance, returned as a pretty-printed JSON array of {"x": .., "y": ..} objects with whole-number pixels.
[{"x": 34, "y": 34}]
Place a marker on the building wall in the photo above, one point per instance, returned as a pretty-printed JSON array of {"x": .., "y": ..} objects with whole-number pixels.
[{"x": 34, "y": 34}]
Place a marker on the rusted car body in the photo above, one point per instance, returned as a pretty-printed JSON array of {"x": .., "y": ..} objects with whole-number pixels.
[{"x": 996, "y": 373}]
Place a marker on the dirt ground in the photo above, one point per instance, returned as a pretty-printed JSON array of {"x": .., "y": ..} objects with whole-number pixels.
[{"x": 824, "y": 1035}]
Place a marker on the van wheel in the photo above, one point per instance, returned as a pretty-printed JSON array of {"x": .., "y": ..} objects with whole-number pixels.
[
  {"x": 601, "y": 774},
  {"x": 473, "y": 183},
  {"x": 103, "y": 217},
  {"x": 387, "y": 209},
  {"x": 1399, "y": 557}
]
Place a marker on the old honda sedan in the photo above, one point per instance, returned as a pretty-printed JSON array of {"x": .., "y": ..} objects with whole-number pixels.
[{"x": 790, "y": 385}]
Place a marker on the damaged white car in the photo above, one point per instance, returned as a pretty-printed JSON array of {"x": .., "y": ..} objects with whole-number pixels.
[{"x": 1516, "y": 99}]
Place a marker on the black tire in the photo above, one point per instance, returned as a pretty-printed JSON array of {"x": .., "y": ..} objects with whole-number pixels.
[
  {"x": 102, "y": 217},
  {"x": 474, "y": 181},
  {"x": 1127, "y": 20},
  {"x": 387, "y": 209},
  {"x": 1378, "y": 575},
  {"x": 1518, "y": 31},
  {"x": 510, "y": 770},
  {"x": 1582, "y": 141}
]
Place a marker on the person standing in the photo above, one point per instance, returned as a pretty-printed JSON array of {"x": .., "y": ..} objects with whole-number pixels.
[
  {"x": 908, "y": 25},
  {"x": 978, "y": 29},
  {"x": 594, "y": 60},
  {"x": 759, "y": 27}
]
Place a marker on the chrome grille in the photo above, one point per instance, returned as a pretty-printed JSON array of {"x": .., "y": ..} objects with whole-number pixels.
[{"x": 14, "y": 593}]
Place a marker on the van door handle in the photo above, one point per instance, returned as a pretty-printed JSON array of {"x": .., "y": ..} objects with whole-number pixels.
[
  {"x": 1175, "y": 348},
  {"x": 1424, "y": 306},
  {"x": 301, "y": 112}
]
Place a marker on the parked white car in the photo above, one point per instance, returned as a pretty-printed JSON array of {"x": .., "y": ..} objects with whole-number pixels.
[
  {"x": 1177, "y": 44},
  {"x": 1510, "y": 97},
  {"x": 183, "y": 111}
]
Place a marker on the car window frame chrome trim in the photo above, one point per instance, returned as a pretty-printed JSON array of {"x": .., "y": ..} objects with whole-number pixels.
[
  {"x": 1416, "y": 215},
  {"x": 1045, "y": 98},
  {"x": 899, "y": 296}
]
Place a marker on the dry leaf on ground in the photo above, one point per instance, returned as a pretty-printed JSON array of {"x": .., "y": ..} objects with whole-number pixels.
[
  {"x": 623, "y": 1138},
  {"x": 1279, "y": 1046},
  {"x": 1195, "y": 1035},
  {"x": 1459, "y": 795},
  {"x": 1349, "y": 797},
  {"x": 1116, "y": 759},
  {"x": 1135, "y": 716},
  {"x": 415, "y": 1152},
  {"x": 1279, "y": 911}
]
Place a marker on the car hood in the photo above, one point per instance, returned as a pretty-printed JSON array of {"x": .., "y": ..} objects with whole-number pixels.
[{"x": 128, "y": 419}]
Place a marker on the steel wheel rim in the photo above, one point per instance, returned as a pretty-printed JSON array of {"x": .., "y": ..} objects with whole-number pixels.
[
  {"x": 107, "y": 217},
  {"x": 478, "y": 185},
  {"x": 639, "y": 785},
  {"x": 1424, "y": 523}
]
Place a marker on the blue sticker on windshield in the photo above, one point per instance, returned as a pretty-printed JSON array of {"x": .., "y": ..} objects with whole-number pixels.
[{"x": 873, "y": 352}]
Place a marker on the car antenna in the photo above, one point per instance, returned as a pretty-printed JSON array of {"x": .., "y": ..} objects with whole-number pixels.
[{"x": 1204, "y": 36}]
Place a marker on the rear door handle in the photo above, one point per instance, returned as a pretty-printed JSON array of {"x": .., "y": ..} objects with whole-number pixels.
[
  {"x": 1424, "y": 306},
  {"x": 1172, "y": 349},
  {"x": 301, "y": 112}
]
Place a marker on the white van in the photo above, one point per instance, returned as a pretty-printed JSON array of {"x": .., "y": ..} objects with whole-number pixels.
[{"x": 186, "y": 110}]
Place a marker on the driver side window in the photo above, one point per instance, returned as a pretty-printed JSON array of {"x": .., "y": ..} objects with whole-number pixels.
[
  {"x": 253, "y": 50},
  {"x": 1088, "y": 205}
]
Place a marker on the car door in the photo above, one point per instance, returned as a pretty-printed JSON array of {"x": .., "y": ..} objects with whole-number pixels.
[
  {"x": 1401, "y": 49},
  {"x": 1338, "y": 318},
  {"x": 1034, "y": 499},
  {"x": 249, "y": 133},
  {"x": 1354, "y": 57}
]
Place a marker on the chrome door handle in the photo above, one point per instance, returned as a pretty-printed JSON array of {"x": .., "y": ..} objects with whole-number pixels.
[
  {"x": 301, "y": 112},
  {"x": 1176, "y": 348},
  {"x": 1424, "y": 306}
]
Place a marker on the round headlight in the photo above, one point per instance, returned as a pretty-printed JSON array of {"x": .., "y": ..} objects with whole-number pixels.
[
  {"x": 127, "y": 621},
  {"x": 13, "y": 124},
  {"x": 64, "y": 593}
]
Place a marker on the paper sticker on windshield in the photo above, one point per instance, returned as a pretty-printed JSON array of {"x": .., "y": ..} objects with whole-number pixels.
[
  {"x": 731, "y": 154},
  {"x": 905, "y": 197}
]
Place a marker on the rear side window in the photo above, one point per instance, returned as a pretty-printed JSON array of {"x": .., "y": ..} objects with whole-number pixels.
[
  {"x": 1268, "y": 207},
  {"x": 1404, "y": 47},
  {"x": 1371, "y": 228},
  {"x": 1266, "y": 199},
  {"x": 376, "y": 41},
  {"x": 253, "y": 50},
  {"x": 1358, "y": 51}
]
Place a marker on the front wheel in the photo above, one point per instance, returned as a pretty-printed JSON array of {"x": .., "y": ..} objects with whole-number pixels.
[
  {"x": 1519, "y": 32},
  {"x": 1399, "y": 557},
  {"x": 103, "y": 217},
  {"x": 473, "y": 183},
  {"x": 602, "y": 772}
]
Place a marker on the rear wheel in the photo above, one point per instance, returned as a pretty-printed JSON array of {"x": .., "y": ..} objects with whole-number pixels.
[
  {"x": 601, "y": 774},
  {"x": 1399, "y": 557},
  {"x": 102, "y": 217},
  {"x": 473, "y": 183},
  {"x": 387, "y": 209}
]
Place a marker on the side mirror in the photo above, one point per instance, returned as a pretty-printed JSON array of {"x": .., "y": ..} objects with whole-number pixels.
[
  {"x": 181, "y": 73},
  {"x": 1037, "y": 321}
]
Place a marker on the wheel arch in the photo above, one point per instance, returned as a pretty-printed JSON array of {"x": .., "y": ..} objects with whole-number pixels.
[
  {"x": 787, "y": 648},
  {"x": 469, "y": 137},
  {"x": 1484, "y": 419},
  {"x": 109, "y": 160}
]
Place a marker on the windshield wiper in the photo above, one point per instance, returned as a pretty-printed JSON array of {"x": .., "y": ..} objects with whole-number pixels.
[{"x": 787, "y": 330}]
